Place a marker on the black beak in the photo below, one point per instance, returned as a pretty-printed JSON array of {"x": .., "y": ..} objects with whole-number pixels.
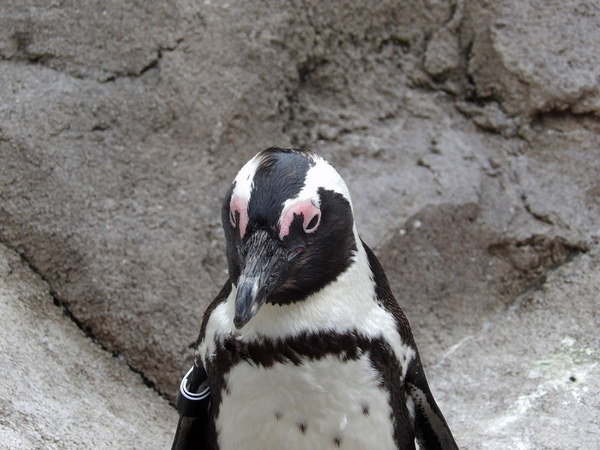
[{"x": 263, "y": 270}]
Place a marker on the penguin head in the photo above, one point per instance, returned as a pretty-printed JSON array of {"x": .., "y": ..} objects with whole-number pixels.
[{"x": 289, "y": 229}]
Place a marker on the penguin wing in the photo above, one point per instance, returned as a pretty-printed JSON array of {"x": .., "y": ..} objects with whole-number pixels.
[
  {"x": 431, "y": 429},
  {"x": 193, "y": 400},
  {"x": 193, "y": 404}
]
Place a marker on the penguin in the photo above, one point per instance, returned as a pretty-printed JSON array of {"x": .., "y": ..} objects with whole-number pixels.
[{"x": 305, "y": 346}]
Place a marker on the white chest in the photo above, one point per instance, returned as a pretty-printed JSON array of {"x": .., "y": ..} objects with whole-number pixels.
[{"x": 323, "y": 404}]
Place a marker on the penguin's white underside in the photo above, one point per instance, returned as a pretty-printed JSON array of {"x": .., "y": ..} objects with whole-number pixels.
[{"x": 319, "y": 404}]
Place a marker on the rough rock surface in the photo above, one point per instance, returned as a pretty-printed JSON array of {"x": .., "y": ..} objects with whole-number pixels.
[
  {"x": 59, "y": 389},
  {"x": 468, "y": 132}
]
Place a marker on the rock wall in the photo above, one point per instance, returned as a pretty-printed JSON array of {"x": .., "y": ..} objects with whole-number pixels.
[
  {"x": 58, "y": 388},
  {"x": 467, "y": 131}
]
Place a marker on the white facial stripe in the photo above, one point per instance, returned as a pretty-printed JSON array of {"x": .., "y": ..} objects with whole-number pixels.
[
  {"x": 245, "y": 178},
  {"x": 240, "y": 197},
  {"x": 321, "y": 175}
]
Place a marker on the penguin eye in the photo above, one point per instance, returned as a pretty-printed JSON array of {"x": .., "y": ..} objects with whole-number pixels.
[
  {"x": 313, "y": 223},
  {"x": 232, "y": 218},
  {"x": 306, "y": 210}
]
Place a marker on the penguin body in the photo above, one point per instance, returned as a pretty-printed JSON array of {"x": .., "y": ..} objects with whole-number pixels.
[{"x": 305, "y": 347}]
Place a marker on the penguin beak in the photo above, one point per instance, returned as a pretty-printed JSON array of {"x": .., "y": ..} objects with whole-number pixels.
[{"x": 261, "y": 273}]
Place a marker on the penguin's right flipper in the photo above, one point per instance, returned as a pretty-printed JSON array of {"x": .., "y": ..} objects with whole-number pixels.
[
  {"x": 431, "y": 429},
  {"x": 193, "y": 403}
]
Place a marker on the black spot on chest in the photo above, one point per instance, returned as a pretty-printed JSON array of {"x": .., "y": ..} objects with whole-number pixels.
[
  {"x": 303, "y": 427},
  {"x": 365, "y": 410}
]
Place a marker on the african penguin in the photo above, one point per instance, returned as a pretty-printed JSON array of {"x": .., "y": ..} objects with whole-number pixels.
[{"x": 305, "y": 346}]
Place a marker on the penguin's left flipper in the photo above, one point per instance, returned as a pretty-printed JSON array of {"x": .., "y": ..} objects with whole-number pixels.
[
  {"x": 190, "y": 434},
  {"x": 431, "y": 429}
]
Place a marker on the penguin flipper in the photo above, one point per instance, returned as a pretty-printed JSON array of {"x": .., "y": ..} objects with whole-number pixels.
[
  {"x": 193, "y": 400},
  {"x": 190, "y": 434},
  {"x": 432, "y": 431},
  {"x": 193, "y": 404}
]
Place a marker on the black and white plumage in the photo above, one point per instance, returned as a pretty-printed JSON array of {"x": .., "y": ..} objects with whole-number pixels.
[{"x": 305, "y": 346}]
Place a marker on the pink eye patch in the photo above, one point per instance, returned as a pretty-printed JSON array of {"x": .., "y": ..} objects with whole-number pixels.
[
  {"x": 310, "y": 213},
  {"x": 238, "y": 210}
]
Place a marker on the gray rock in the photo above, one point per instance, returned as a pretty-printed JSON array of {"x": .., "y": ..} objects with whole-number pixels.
[
  {"x": 59, "y": 389},
  {"x": 97, "y": 40},
  {"x": 534, "y": 56},
  {"x": 528, "y": 377}
]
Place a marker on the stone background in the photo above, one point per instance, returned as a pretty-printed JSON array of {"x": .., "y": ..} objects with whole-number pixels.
[{"x": 468, "y": 132}]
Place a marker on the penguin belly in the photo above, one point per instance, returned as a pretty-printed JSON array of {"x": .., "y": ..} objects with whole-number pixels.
[{"x": 319, "y": 404}]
